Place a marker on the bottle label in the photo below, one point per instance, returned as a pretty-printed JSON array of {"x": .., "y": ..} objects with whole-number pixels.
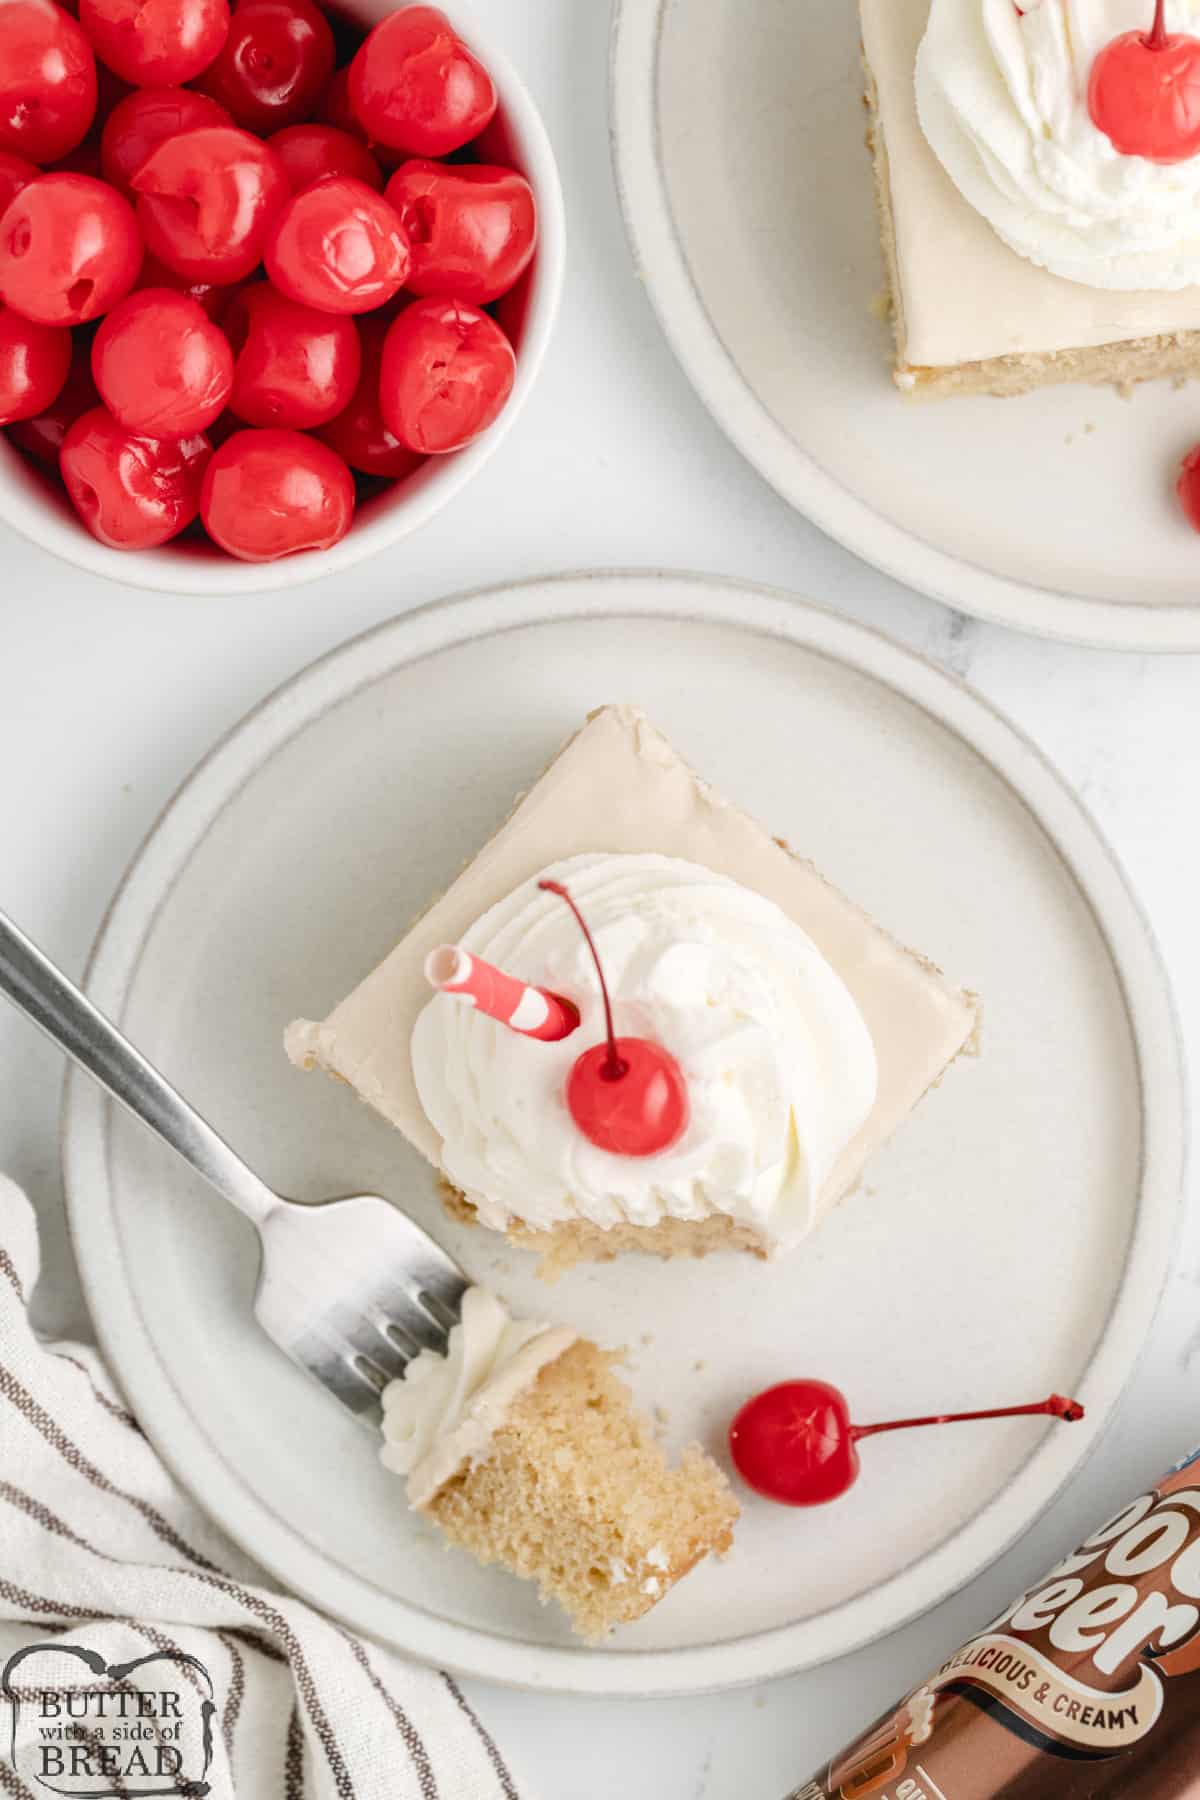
[{"x": 1089, "y": 1684}]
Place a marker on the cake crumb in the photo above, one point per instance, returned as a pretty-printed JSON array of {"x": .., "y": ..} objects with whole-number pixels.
[
  {"x": 699, "y": 1366},
  {"x": 1089, "y": 429},
  {"x": 647, "y": 1337},
  {"x": 652, "y": 1585},
  {"x": 881, "y": 304},
  {"x": 662, "y": 1416}
]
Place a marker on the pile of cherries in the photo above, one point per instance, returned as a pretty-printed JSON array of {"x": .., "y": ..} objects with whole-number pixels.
[{"x": 210, "y": 305}]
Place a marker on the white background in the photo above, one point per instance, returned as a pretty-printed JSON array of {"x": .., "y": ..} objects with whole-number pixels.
[{"x": 108, "y": 696}]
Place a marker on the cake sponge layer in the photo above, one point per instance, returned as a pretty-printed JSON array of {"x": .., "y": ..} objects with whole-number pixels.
[{"x": 576, "y": 1494}]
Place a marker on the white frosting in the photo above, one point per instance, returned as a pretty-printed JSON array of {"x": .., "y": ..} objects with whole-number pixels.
[
  {"x": 445, "y": 1410},
  {"x": 1002, "y": 97},
  {"x": 779, "y": 1064}
]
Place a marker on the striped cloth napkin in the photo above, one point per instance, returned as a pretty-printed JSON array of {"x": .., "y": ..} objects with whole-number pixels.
[{"x": 104, "y": 1563}]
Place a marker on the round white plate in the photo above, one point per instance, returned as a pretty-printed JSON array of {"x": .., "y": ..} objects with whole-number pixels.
[
  {"x": 1012, "y": 1240},
  {"x": 748, "y": 196}
]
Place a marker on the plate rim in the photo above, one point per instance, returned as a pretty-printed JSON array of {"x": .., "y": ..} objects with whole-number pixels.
[
  {"x": 201, "y": 801},
  {"x": 635, "y": 45}
]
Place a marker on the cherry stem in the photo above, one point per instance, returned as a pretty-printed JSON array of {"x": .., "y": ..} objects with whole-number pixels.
[
  {"x": 614, "y": 1065},
  {"x": 1157, "y": 39},
  {"x": 1057, "y": 1407}
]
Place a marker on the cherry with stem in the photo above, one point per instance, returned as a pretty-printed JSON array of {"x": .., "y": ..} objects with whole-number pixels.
[
  {"x": 627, "y": 1095},
  {"x": 795, "y": 1442},
  {"x": 1144, "y": 92}
]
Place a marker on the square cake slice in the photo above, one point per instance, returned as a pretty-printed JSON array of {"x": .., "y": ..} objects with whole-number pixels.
[
  {"x": 525, "y": 1449},
  {"x": 806, "y": 1033},
  {"x": 971, "y": 315}
]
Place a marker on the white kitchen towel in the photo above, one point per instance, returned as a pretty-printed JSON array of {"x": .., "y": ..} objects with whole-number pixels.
[{"x": 104, "y": 1563}]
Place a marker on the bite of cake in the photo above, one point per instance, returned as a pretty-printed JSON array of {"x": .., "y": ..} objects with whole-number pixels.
[
  {"x": 802, "y": 1034},
  {"x": 1038, "y": 173},
  {"x": 524, "y": 1447}
]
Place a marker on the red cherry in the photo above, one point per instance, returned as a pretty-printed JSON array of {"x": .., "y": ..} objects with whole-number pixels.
[
  {"x": 207, "y": 200},
  {"x": 269, "y": 494},
  {"x": 794, "y": 1442},
  {"x": 1144, "y": 92},
  {"x": 472, "y": 227},
  {"x": 143, "y": 120},
  {"x": 416, "y": 87},
  {"x": 162, "y": 367},
  {"x": 47, "y": 80},
  {"x": 152, "y": 43},
  {"x": 131, "y": 492},
  {"x": 1188, "y": 487},
  {"x": 635, "y": 1106},
  {"x": 338, "y": 246},
  {"x": 295, "y": 366},
  {"x": 358, "y": 433},
  {"x": 627, "y": 1095},
  {"x": 15, "y": 174},
  {"x": 274, "y": 63},
  {"x": 42, "y": 437},
  {"x": 34, "y": 360},
  {"x": 315, "y": 152},
  {"x": 446, "y": 375},
  {"x": 69, "y": 249}
]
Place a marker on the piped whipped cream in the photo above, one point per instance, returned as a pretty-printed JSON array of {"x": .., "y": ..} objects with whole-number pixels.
[
  {"x": 1002, "y": 94},
  {"x": 779, "y": 1064},
  {"x": 444, "y": 1411}
]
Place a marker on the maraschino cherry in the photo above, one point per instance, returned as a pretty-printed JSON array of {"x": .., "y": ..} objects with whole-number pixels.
[
  {"x": 627, "y": 1095},
  {"x": 1188, "y": 486},
  {"x": 1144, "y": 92},
  {"x": 794, "y": 1442}
]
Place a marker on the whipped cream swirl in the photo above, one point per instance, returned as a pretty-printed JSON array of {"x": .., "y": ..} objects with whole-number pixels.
[
  {"x": 1003, "y": 99},
  {"x": 779, "y": 1064},
  {"x": 445, "y": 1410}
]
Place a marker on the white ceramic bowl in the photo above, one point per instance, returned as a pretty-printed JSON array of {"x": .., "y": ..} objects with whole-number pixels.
[{"x": 40, "y": 510}]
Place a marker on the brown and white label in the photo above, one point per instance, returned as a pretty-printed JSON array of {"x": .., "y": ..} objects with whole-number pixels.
[
  {"x": 1061, "y": 1708},
  {"x": 1080, "y": 1671}
]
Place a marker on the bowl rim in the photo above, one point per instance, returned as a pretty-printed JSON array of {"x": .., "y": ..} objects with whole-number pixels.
[{"x": 164, "y": 570}]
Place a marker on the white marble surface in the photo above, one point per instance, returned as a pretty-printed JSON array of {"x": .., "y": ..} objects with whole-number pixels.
[{"x": 108, "y": 696}]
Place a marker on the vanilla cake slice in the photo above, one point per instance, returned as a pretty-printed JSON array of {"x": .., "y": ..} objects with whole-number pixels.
[
  {"x": 524, "y": 1448},
  {"x": 1008, "y": 271},
  {"x": 805, "y": 1032}
]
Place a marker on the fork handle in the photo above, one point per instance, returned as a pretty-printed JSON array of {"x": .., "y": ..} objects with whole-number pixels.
[{"x": 44, "y": 994}]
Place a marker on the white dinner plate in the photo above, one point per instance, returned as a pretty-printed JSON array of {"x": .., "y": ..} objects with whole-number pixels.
[
  {"x": 1012, "y": 1240},
  {"x": 748, "y": 196}
]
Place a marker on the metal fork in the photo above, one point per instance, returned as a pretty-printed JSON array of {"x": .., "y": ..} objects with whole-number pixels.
[{"x": 350, "y": 1289}]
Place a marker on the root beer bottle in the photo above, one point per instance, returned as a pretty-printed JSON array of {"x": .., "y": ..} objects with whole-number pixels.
[{"x": 1088, "y": 1688}]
